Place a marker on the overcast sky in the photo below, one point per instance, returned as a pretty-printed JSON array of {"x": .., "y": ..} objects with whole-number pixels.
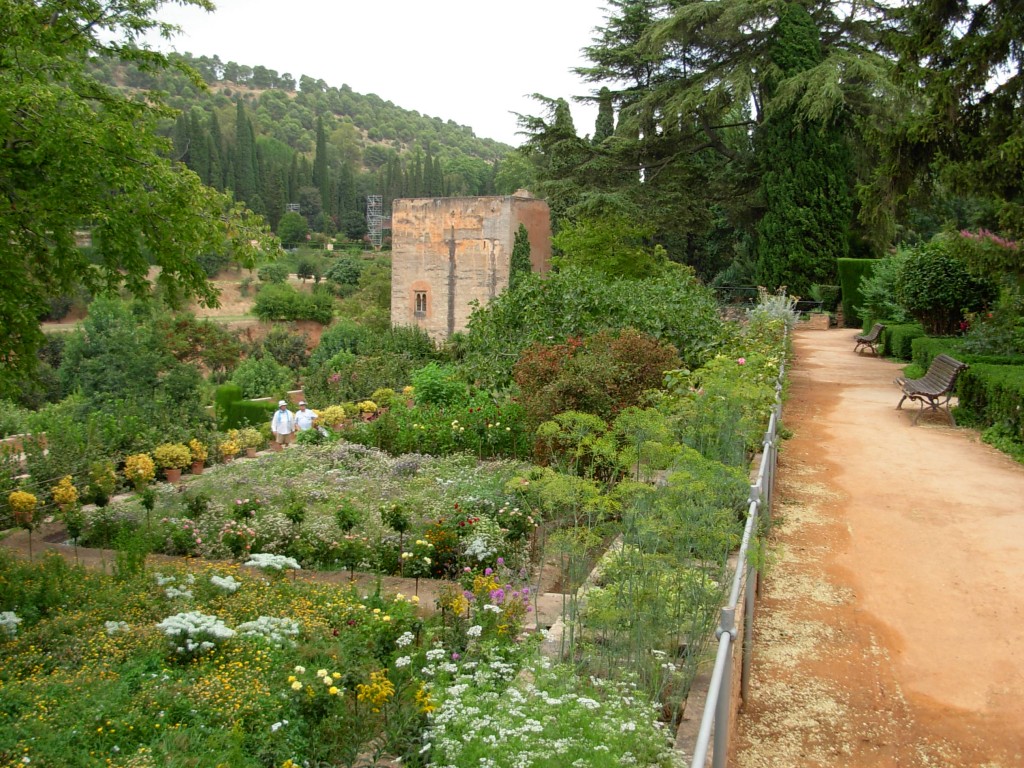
[{"x": 463, "y": 60}]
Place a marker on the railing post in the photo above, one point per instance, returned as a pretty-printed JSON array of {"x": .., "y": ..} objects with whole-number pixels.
[
  {"x": 723, "y": 706},
  {"x": 750, "y": 595}
]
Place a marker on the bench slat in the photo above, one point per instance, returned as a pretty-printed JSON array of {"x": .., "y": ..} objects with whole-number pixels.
[{"x": 937, "y": 383}]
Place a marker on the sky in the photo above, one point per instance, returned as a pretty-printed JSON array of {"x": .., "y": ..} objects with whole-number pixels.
[{"x": 468, "y": 61}]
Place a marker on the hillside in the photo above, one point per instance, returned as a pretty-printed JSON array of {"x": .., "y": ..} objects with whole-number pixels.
[{"x": 276, "y": 142}]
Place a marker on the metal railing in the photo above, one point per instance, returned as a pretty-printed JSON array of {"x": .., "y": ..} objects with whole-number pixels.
[{"x": 718, "y": 706}]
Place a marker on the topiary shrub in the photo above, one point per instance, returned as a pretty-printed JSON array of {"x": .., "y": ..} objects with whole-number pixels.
[
  {"x": 934, "y": 286},
  {"x": 225, "y": 395},
  {"x": 897, "y": 340},
  {"x": 852, "y": 273},
  {"x": 992, "y": 395}
]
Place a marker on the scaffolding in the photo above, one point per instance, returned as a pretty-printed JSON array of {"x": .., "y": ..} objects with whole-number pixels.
[{"x": 375, "y": 219}]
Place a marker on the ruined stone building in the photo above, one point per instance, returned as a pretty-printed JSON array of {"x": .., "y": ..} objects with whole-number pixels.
[{"x": 447, "y": 252}]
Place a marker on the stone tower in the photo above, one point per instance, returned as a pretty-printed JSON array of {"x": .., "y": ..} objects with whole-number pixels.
[{"x": 449, "y": 251}]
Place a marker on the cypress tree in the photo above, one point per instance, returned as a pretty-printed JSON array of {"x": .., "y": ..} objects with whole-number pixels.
[
  {"x": 520, "y": 263},
  {"x": 805, "y": 175},
  {"x": 200, "y": 154},
  {"x": 244, "y": 165},
  {"x": 321, "y": 173},
  {"x": 605, "y": 125}
]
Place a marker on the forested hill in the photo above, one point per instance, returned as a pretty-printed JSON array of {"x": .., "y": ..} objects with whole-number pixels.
[{"x": 275, "y": 141}]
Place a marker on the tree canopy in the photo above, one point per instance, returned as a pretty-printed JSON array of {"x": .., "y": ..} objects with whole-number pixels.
[{"x": 79, "y": 156}]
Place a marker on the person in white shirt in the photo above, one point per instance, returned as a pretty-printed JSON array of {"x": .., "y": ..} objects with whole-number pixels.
[
  {"x": 283, "y": 424},
  {"x": 304, "y": 417}
]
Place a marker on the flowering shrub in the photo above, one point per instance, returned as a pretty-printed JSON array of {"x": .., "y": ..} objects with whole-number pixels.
[
  {"x": 250, "y": 438},
  {"x": 269, "y": 562},
  {"x": 246, "y": 509},
  {"x": 172, "y": 456},
  {"x": 23, "y": 505},
  {"x": 198, "y": 450},
  {"x": 237, "y": 537},
  {"x": 139, "y": 469},
  {"x": 367, "y": 406},
  {"x": 64, "y": 493},
  {"x": 181, "y": 536},
  {"x": 278, "y": 632},
  {"x": 227, "y": 583},
  {"x": 193, "y": 633},
  {"x": 9, "y": 622},
  {"x": 332, "y": 415},
  {"x": 229, "y": 448}
]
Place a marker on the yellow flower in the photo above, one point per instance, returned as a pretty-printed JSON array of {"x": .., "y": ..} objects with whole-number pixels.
[
  {"x": 386, "y": 618},
  {"x": 321, "y": 672},
  {"x": 291, "y": 678},
  {"x": 328, "y": 680},
  {"x": 333, "y": 690},
  {"x": 296, "y": 686}
]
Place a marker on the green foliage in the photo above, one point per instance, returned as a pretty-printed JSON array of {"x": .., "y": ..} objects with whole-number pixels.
[
  {"x": 897, "y": 339},
  {"x": 223, "y": 397},
  {"x": 262, "y": 377},
  {"x": 274, "y": 272},
  {"x": 286, "y": 347},
  {"x": 434, "y": 384},
  {"x": 285, "y": 303},
  {"x": 349, "y": 377},
  {"x": 852, "y": 275},
  {"x": 992, "y": 396},
  {"x": 292, "y": 229},
  {"x": 877, "y": 290},
  {"x": 84, "y": 154},
  {"x": 243, "y": 413},
  {"x": 520, "y": 262},
  {"x": 674, "y": 309},
  {"x": 612, "y": 245},
  {"x": 600, "y": 375},
  {"x": 345, "y": 271},
  {"x": 935, "y": 287}
]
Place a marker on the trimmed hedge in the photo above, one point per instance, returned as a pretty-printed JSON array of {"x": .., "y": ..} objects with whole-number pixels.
[
  {"x": 897, "y": 340},
  {"x": 250, "y": 413},
  {"x": 927, "y": 347},
  {"x": 850, "y": 273},
  {"x": 225, "y": 395},
  {"x": 991, "y": 395}
]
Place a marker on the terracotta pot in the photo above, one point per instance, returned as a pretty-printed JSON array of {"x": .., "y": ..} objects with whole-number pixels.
[
  {"x": 172, "y": 475},
  {"x": 197, "y": 467},
  {"x": 250, "y": 453},
  {"x": 228, "y": 457}
]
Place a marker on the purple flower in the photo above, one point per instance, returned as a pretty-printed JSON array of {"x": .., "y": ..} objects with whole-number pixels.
[
  {"x": 497, "y": 596},
  {"x": 488, "y": 571},
  {"x": 455, "y": 657},
  {"x": 501, "y": 561}
]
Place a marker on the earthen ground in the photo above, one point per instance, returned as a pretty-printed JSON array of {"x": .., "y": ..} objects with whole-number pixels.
[{"x": 889, "y": 630}]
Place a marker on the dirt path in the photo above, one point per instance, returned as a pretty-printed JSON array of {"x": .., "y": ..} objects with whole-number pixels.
[{"x": 891, "y": 626}]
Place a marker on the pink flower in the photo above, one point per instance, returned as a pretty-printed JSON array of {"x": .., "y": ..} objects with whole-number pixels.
[{"x": 742, "y": 361}]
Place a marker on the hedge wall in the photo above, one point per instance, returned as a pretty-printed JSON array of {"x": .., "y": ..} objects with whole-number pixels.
[
  {"x": 225, "y": 395},
  {"x": 850, "y": 273},
  {"x": 926, "y": 348},
  {"x": 250, "y": 413},
  {"x": 990, "y": 395},
  {"x": 897, "y": 340}
]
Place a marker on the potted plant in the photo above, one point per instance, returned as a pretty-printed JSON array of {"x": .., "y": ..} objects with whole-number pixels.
[
  {"x": 333, "y": 416},
  {"x": 229, "y": 448},
  {"x": 139, "y": 470},
  {"x": 367, "y": 409},
  {"x": 172, "y": 458},
  {"x": 250, "y": 440},
  {"x": 200, "y": 453}
]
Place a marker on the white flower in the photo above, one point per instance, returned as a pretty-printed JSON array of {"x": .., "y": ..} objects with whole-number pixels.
[
  {"x": 405, "y": 639},
  {"x": 475, "y": 630},
  {"x": 227, "y": 583},
  {"x": 274, "y": 562},
  {"x": 436, "y": 654},
  {"x": 403, "y": 661},
  {"x": 9, "y": 622},
  {"x": 113, "y": 627},
  {"x": 277, "y": 631}
]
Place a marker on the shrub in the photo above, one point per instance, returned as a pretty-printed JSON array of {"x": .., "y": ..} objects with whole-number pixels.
[
  {"x": 878, "y": 292},
  {"x": 897, "y": 340},
  {"x": 992, "y": 395},
  {"x": 852, "y": 273},
  {"x": 275, "y": 272},
  {"x": 172, "y": 456},
  {"x": 601, "y": 375},
  {"x": 253, "y": 413},
  {"x": 139, "y": 469},
  {"x": 935, "y": 287},
  {"x": 284, "y": 303},
  {"x": 435, "y": 384},
  {"x": 262, "y": 377}
]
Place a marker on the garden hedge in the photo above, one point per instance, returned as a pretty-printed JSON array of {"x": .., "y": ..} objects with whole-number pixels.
[
  {"x": 225, "y": 395},
  {"x": 992, "y": 395},
  {"x": 250, "y": 413},
  {"x": 897, "y": 340},
  {"x": 926, "y": 348},
  {"x": 850, "y": 273}
]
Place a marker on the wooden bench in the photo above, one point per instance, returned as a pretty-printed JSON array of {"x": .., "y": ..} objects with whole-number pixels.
[
  {"x": 870, "y": 340},
  {"x": 935, "y": 388}
]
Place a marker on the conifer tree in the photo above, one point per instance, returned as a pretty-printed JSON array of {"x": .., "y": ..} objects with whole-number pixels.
[
  {"x": 321, "y": 173},
  {"x": 605, "y": 125},
  {"x": 520, "y": 262},
  {"x": 805, "y": 170}
]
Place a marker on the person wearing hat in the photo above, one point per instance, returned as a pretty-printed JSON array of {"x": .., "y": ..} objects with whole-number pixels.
[
  {"x": 283, "y": 424},
  {"x": 304, "y": 417}
]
